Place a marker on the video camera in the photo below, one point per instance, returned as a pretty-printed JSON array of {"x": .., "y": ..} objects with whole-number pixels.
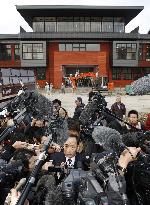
[
  {"x": 10, "y": 173},
  {"x": 81, "y": 187}
]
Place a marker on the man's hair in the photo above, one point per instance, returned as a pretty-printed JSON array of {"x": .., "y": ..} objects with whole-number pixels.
[
  {"x": 133, "y": 112},
  {"x": 73, "y": 134},
  {"x": 57, "y": 101},
  {"x": 73, "y": 124},
  {"x": 24, "y": 156},
  {"x": 79, "y": 99}
]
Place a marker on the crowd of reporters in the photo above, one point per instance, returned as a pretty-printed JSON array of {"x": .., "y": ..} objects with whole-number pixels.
[{"x": 21, "y": 148}]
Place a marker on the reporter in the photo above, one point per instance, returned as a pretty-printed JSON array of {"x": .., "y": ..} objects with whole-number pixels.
[{"x": 116, "y": 184}]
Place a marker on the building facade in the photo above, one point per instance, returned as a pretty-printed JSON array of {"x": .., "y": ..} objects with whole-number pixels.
[{"x": 70, "y": 39}]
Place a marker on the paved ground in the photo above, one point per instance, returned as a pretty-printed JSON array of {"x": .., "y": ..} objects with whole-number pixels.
[{"x": 139, "y": 103}]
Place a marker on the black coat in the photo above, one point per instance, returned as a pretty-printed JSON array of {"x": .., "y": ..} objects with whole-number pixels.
[
  {"x": 59, "y": 157},
  {"x": 78, "y": 111},
  {"x": 119, "y": 111}
]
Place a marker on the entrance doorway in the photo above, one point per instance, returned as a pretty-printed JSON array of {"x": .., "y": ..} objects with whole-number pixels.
[{"x": 80, "y": 73}]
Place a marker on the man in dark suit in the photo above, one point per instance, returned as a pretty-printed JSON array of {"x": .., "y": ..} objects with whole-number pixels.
[
  {"x": 118, "y": 108},
  {"x": 69, "y": 156}
]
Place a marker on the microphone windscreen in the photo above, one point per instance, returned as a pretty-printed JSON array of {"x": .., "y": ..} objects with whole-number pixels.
[
  {"x": 134, "y": 139},
  {"x": 141, "y": 86},
  {"x": 88, "y": 112},
  {"x": 106, "y": 137},
  {"x": 47, "y": 181},
  {"x": 42, "y": 107},
  {"x": 61, "y": 132}
]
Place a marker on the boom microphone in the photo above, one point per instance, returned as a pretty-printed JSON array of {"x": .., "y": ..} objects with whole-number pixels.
[
  {"x": 18, "y": 187},
  {"x": 42, "y": 107},
  {"x": 20, "y": 184},
  {"x": 88, "y": 112},
  {"x": 141, "y": 86},
  {"x": 45, "y": 183},
  {"x": 108, "y": 138},
  {"x": 135, "y": 139}
]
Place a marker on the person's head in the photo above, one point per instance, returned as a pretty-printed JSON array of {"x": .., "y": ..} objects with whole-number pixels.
[
  {"x": 63, "y": 113},
  {"x": 78, "y": 101},
  {"x": 71, "y": 146},
  {"x": 39, "y": 123},
  {"x": 26, "y": 156},
  {"x": 73, "y": 124},
  {"x": 56, "y": 104},
  {"x": 118, "y": 98},
  {"x": 133, "y": 116}
]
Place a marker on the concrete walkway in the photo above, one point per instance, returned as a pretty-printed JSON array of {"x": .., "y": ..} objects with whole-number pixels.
[{"x": 139, "y": 103}]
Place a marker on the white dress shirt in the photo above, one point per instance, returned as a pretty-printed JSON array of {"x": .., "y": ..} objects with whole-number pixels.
[{"x": 70, "y": 161}]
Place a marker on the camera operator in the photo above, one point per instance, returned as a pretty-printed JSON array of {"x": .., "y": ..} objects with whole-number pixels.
[{"x": 114, "y": 183}]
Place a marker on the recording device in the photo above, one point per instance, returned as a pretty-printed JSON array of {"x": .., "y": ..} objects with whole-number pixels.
[
  {"x": 10, "y": 173},
  {"x": 108, "y": 138},
  {"x": 141, "y": 86},
  {"x": 103, "y": 160},
  {"x": 136, "y": 139},
  {"x": 99, "y": 104},
  {"x": 20, "y": 184},
  {"x": 81, "y": 187}
]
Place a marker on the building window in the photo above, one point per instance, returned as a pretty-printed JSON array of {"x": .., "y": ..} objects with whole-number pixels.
[
  {"x": 127, "y": 74},
  {"x": 119, "y": 25},
  {"x": 32, "y": 51},
  {"x": 17, "y": 52},
  {"x": 92, "y": 47},
  {"x": 107, "y": 24},
  {"x": 41, "y": 73},
  {"x": 116, "y": 74},
  {"x": 126, "y": 51},
  {"x": 141, "y": 52},
  {"x": 79, "y": 47},
  {"x": 62, "y": 47},
  {"x": 38, "y": 24},
  {"x": 96, "y": 24},
  {"x": 50, "y": 26},
  {"x": 78, "y": 24},
  {"x": 5, "y": 52},
  {"x": 148, "y": 52}
]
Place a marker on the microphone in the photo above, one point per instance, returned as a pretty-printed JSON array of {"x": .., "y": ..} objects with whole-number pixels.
[
  {"x": 108, "y": 138},
  {"x": 41, "y": 107},
  {"x": 98, "y": 172},
  {"x": 141, "y": 86},
  {"x": 137, "y": 139},
  {"x": 45, "y": 184},
  {"x": 47, "y": 181},
  {"x": 88, "y": 112},
  {"x": 18, "y": 188},
  {"x": 134, "y": 139},
  {"x": 61, "y": 132},
  {"x": 20, "y": 184}
]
